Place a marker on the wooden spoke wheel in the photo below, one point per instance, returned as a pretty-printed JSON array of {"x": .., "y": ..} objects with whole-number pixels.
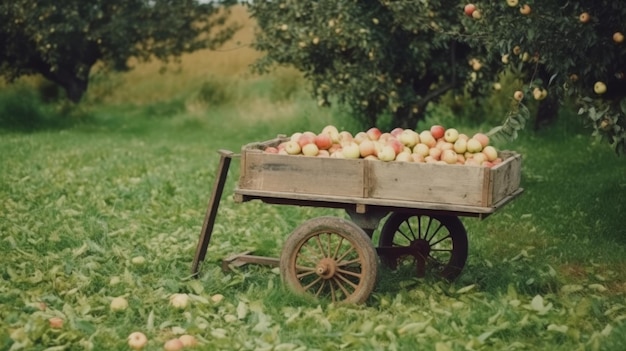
[
  {"x": 330, "y": 257},
  {"x": 434, "y": 244}
]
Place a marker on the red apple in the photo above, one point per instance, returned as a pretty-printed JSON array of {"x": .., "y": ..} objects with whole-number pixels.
[
  {"x": 323, "y": 141},
  {"x": 373, "y": 133},
  {"x": 469, "y": 9},
  {"x": 437, "y": 131},
  {"x": 525, "y": 9},
  {"x": 398, "y": 147},
  {"x": 396, "y": 131}
]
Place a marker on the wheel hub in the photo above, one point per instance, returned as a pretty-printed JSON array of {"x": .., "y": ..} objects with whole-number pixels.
[
  {"x": 420, "y": 247},
  {"x": 326, "y": 268}
]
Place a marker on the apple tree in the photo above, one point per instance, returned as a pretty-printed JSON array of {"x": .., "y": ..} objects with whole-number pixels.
[
  {"x": 378, "y": 57},
  {"x": 63, "y": 41},
  {"x": 571, "y": 50}
]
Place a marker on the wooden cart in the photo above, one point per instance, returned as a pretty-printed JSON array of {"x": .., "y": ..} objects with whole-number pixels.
[{"x": 336, "y": 258}]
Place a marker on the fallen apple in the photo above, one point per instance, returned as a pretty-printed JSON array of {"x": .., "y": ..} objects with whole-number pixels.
[
  {"x": 173, "y": 345},
  {"x": 188, "y": 340},
  {"x": 137, "y": 340},
  {"x": 469, "y": 9},
  {"x": 525, "y": 9},
  {"x": 118, "y": 304},
  {"x": 55, "y": 322},
  {"x": 179, "y": 300}
]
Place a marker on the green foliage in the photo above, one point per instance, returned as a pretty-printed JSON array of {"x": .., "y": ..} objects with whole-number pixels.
[
  {"x": 396, "y": 57},
  {"x": 64, "y": 42},
  {"x": 376, "y": 57}
]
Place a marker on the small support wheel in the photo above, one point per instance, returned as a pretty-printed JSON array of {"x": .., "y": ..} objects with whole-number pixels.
[
  {"x": 437, "y": 244},
  {"x": 330, "y": 257}
]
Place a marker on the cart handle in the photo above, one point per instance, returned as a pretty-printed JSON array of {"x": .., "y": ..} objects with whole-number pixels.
[{"x": 214, "y": 202}]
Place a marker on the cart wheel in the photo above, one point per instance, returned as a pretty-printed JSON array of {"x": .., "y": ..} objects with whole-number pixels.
[
  {"x": 330, "y": 257},
  {"x": 437, "y": 244}
]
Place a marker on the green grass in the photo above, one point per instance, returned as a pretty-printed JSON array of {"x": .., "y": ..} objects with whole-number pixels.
[{"x": 79, "y": 203}]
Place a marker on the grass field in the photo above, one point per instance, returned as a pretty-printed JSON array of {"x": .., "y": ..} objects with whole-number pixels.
[{"x": 112, "y": 205}]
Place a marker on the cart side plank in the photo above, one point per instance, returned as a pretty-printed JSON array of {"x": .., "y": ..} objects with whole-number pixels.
[{"x": 450, "y": 184}]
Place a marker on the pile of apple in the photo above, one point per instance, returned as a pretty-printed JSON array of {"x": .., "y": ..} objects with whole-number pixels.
[{"x": 435, "y": 145}]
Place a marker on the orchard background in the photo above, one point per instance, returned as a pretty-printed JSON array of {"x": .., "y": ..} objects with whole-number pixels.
[{"x": 102, "y": 201}]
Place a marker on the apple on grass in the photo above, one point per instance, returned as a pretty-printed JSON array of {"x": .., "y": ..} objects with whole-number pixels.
[
  {"x": 55, "y": 322},
  {"x": 179, "y": 300},
  {"x": 469, "y": 9},
  {"x": 137, "y": 340},
  {"x": 188, "y": 340},
  {"x": 118, "y": 304},
  {"x": 173, "y": 345}
]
